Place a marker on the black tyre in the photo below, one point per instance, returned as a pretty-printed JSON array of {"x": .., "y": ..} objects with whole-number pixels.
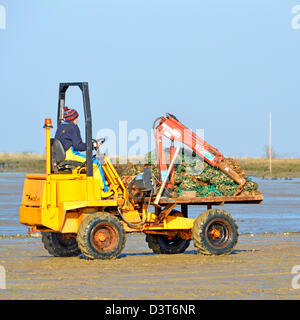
[
  {"x": 215, "y": 232},
  {"x": 60, "y": 244},
  {"x": 101, "y": 236},
  {"x": 162, "y": 244}
]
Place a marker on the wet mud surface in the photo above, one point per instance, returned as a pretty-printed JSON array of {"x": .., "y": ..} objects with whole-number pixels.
[{"x": 259, "y": 268}]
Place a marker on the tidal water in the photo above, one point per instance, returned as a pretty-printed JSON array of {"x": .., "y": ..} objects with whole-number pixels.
[{"x": 279, "y": 212}]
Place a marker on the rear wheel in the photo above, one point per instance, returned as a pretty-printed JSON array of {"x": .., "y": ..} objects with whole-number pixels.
[
  {"x": 162, "y": 244},
  {"x": 60, "y": 244},
  {"x": 215, "y": 232},
  {"x": 101, "y": 236}
]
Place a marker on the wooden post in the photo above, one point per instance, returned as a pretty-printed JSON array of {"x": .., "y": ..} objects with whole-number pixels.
[
  {"x": 166, "y": 177},
  {"x": 172, "y": 174},
  {"x": 270, "y": 144}
]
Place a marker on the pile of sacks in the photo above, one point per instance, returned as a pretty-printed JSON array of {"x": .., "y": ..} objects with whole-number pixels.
[
  {"x": 208, "y": 181},
  {"x": 194, "y": 174}
]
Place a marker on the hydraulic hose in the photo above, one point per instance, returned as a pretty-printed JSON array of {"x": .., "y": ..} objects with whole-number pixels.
[{"x": 139, "y": 224}]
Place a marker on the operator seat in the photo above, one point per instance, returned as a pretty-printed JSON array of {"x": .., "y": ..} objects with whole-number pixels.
[{"x": 58, "y": 155}]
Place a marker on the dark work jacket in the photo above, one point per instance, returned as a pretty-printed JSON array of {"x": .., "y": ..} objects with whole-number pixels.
[{"x": 71, "y": 137}]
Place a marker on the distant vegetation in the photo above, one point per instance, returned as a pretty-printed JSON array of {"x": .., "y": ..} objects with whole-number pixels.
[
  {"x": 35, "y": 163},
  {"x": 22, "y": 162},
  {"x": 288, "y": 167}
]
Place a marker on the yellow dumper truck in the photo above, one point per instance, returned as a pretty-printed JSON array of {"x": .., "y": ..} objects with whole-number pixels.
[{"x": 67, "y": 206}]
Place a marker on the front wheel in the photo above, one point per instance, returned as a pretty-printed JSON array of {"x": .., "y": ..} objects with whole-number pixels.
[
  {"x": 101, "y": 236},
  {"x": 215, "y": 232}
]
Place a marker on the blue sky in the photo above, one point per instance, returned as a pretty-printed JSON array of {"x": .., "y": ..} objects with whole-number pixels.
[{"x": 221, "y": 66}]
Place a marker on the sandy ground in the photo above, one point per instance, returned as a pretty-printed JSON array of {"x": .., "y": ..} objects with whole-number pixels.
[{"x": 259, "y": 268}]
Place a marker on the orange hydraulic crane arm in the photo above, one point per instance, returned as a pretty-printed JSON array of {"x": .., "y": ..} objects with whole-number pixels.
[{"x": 170, "y": 127}]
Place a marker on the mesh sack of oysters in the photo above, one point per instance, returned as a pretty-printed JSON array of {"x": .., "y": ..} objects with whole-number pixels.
[{"x": 195, "y": 175}]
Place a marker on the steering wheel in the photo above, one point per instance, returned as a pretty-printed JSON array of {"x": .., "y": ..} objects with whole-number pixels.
[
  {"x": 101, "y": 140},
  {"x": 96, "y": 141}
]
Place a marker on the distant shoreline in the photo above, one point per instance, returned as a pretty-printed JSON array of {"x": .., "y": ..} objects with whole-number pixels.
[
  {"x": 257, "y": 167},
  {"x": 22, "y": 162},
  {"x": 281, "y": 167}
]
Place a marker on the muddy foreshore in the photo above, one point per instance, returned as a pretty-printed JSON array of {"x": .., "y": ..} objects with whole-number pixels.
[{"x": 259, "y": 268}]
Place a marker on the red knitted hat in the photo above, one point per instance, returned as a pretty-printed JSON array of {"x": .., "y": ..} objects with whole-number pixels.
[{"x": 70, "y": 114}]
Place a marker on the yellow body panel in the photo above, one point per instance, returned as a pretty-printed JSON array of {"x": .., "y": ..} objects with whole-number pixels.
[
  {"x": 72, "y": 222},
  {"x": 31, "y": 216},
  {"x": 70, "y": 190},
  {"x": 51, "y": 209},
  {"x": 33, "y": 193}
]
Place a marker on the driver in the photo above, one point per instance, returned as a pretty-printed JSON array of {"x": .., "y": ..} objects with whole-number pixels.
[{"x": 68, "y": 134}]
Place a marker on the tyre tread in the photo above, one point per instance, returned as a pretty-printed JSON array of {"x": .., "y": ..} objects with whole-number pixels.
[
  {"x": 197, "y": 231},
  {"x": 82, "y": 235},
  {"x": 49, "y": 242}
]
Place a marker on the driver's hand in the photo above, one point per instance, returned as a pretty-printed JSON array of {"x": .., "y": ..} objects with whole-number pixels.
[
  {"x": 98, "y": 143},
  {"x": 95, "y": 144}
]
